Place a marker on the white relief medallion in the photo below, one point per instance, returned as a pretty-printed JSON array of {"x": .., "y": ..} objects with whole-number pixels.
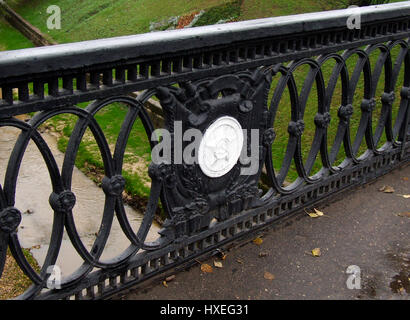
[{"x": 221, "y": 147}]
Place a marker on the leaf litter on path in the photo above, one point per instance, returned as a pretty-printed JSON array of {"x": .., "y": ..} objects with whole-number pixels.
[
  {"x": 316, "y": 252},
  {"x": 206, "y": 268},
  {"x": 268, "y": 276},
  {"x": 387, "y": 189},
  {"x": 315, "y": 214}
]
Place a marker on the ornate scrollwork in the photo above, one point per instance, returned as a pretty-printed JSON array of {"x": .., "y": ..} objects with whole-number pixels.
[
  {"x": 159, "y": 171},
  {"x": 195, "y": 197}
]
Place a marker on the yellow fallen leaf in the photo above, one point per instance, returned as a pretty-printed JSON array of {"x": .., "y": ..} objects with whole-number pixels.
[
  {"x": 206, "y": 268},
  {"x": 313, "y": 215},
  {"x": 218, "y": 264},
  {"x": 258, "y": 241},
  {"x": 406, "y": 196},
  {"x": 386, "y": 189},
  {"x": 316, "y": 252},
  {"x": 268, "y": 276},
  {"x": 404, "y": 214},
  {"x": 319, "y": 213},
  {"x": 165, "y": 284}
]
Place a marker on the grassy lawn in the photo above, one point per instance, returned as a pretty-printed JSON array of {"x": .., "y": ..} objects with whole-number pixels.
[
  {"x": 85, "y": 20},
  {"x": 255, "y": 9},
  {"x": 11, "y": 39},
  {"x": 137, "y": 154}
]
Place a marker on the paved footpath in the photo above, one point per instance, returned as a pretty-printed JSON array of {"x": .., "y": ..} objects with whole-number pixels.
[{"x": 363, "y": 228}]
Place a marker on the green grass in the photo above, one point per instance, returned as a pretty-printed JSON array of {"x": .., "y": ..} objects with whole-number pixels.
[
  {"x": 255, "y": 9},
  {"x": 231, "y": 11},
  {"x": 137, "y": 154},
  {"x": 283, "y": 114},
  {"x": 11, "y": 39},
  {"x": 86, "y": 20}
]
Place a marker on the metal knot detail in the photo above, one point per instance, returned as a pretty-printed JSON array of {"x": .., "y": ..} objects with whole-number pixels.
[
  {"x": 10, "y": 218},
  {"x": 405, "y": 93},
  {"x": 268, "y": 137},
  {"x": 388, "y": 97},
  {"x": 113, "y": 186},
  {"x": 368, "y": 105},
  {"x": 345, "y": 112},
  {"x": 322, "y": 120},
  {"x": 296, "y": 128},
  {"x": 62, "y": 202}
]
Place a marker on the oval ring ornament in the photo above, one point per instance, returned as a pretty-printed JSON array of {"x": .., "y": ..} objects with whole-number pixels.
[{"x": 220, "y": 147}]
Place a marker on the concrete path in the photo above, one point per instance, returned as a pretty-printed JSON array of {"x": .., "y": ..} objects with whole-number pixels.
[{"x": 362, "y": 229}]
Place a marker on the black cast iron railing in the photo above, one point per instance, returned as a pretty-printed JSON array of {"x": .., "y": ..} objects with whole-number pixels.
[{"x": 199, "y": 75}]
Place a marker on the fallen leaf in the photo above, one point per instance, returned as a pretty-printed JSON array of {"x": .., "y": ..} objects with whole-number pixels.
[
  {"x": 316, "y": 252},
  {"x": 404, "y": 214},
  {"x": 170, "y": 278},
  {"x": 164, "y": 283},
  {"x": 268, "y": 276},
  {"x": 258, "y": 241},
  {"x": 218, "y": 264},
  {"x": 406, "y": 196},
  {"x": 313, "y": 215},
  {"x": 206, "y": 268},
  {"x": 319, "y": 213},
  {"x": 405, "y": 179},
  {"x": 239, "y": 261},
  {"x": 263, "y": 254},
  {"x": 386, "y": 189}
]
